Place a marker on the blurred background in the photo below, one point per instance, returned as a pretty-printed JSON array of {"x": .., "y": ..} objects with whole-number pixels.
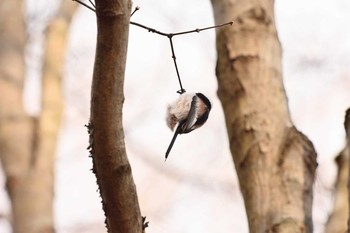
[{"x": 196, "y": 190}]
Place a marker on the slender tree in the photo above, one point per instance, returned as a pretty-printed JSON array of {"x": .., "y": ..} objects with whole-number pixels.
[
  {"x": 337, "y": 221},
  {"x": 27, "y": 144},
  {"x": 275, "y": 163},
  {"x": 347, "y": 131},
  {"x": 15, "y": 125},
  {"x": 107, "y": 146}
]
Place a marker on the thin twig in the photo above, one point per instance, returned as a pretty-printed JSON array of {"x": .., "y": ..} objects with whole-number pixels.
[
  {"x": 202, "y": 29},
  {"x": 182, "y": 90},
  {"x": 84, "y": 4},
  {"x": 149, "y": 29},
  {"x": 92, "y": 3},
  {"x": 169, "y": 35},
  {"x": 136, "y": 9}
]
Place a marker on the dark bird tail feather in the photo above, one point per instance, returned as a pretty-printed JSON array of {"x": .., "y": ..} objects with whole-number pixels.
[{"x": 171, "y": 144}]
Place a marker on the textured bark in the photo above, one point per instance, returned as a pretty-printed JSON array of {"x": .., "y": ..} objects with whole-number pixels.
[
  {"x": 337, "y": 221},
  {"x": 275, "y": 163},
  {"x": 110, "y": 162},
  {"x": 27, "y": 145}
]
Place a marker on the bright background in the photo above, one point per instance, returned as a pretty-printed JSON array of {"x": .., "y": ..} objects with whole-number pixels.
[{"x": 196, "y": 190}]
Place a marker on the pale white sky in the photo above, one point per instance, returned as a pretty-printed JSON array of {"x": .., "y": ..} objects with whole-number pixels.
[{"x": 196, "y": 189}]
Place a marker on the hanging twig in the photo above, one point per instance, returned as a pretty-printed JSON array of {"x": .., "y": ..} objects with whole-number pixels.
[
  {"x": 169, "y": 35},
  {"x": 181, "y": 91}
]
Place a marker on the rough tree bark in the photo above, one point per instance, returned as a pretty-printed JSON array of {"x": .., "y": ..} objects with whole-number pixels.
[
  {"x": 275, "y": 163},
  {"x": 27, "y": 144},
  {"x": 337, "y": 221},
  {"x": 110, "y": 162}
]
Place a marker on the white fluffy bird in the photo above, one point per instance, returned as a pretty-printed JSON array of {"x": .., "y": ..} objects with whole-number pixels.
[{"x": 188, "y": 112}]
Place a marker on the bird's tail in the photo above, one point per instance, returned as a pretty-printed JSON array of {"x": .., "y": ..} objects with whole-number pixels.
[{"x": 171, "y": 144}]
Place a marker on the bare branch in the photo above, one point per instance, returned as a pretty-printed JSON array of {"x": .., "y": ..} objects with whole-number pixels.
[
  {"x": 172, "y": 34},
  {"x": 92, "y": 3},
  {"x": 169, "y": 35},
  {"x": 149, "y": 29},
  {"x": 202, "y": 29},
  {"x": 84, "y": 4},
  {"x": 136, "y": 9}
]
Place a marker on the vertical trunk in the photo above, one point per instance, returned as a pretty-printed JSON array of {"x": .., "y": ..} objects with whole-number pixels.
[
  {"x": 337, "y": 221},
  {"x": 16, "y": 127},
  {"x": 347, "y": 131},
  {"x": 275, "y": 163},
  {"x": 110, "y": 162},
  {"x": 39, "y": 182},
  {"x": 27, "y": 146}
]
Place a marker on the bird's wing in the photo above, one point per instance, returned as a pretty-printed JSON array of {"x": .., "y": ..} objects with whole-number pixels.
[{"x": 192, "y": 116}]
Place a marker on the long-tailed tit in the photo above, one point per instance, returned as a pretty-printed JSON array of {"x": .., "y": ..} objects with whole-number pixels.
[{"x": 188, "y": 112}]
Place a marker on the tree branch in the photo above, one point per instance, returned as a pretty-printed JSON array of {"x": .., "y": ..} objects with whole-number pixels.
[
  {"x": 202, "y": 29},
  {"x": 136, "y": 9},
  {"x": 86, "y": 5},
  {"x": 168, "y": 35},
  {"x": 106, "y": 134}
]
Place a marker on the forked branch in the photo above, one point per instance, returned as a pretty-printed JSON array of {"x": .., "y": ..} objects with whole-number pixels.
[{"x": 168, "y": 35}]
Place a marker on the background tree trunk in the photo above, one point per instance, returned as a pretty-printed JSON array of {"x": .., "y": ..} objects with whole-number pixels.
[
  {"x": 110, "y": 162},
  {"x": 16, "y": 127},
  {"x": 28, "y": 145},
  {"x": 275, "y": 163},
  {"x": 347, "y": 147},
  {"x": 337, "y": 221}
]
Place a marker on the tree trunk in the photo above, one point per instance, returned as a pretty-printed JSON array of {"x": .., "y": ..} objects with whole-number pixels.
[
  {"x": 337, "y": 221},
  {"x": 16, "y": 127},
  {"x": 275, "y": 163},
  {"x": 27, "y": 145},
  {"x": 347, "y": 131},
  {"x": 39, "y": 181},
  {"x": 107, "y": 146}
]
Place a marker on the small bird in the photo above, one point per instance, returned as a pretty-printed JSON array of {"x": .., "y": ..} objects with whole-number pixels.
[{"x": 188, "y": 112}]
